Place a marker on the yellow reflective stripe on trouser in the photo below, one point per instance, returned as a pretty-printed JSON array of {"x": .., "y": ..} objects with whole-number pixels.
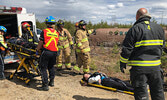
[
  {"x": 149, "y": 43},
  {"x": 71, "y": 43},
  {"x": 59, "y": 65},
  {"x": 68, "y": 64},
  {"x": 84, "y": 40},
  {"x": 76, "y": 68},
  {"x": 84, "y": 50},
  {"x": 144, "y": 63},
  {"x": 79, "y": 44},
  {"x": 124, "y": 60},
  {"x": 67, "y": 45},
  {"x": 30, "y": 40},
  {"x": 85, "y": 70}
]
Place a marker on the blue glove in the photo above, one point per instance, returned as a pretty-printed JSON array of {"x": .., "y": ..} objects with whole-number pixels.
[
  {"x": 36, "y": 53},
  {"x": 122, "y": 66}
]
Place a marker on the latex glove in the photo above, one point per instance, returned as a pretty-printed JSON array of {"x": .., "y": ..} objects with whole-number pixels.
[
  {"x": 122, "y": 66},
  {"x": 36, "y": 53}
]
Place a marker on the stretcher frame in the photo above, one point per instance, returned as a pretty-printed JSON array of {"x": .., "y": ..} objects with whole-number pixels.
[
  {"x": 108, "y": 88},
  {"x": 23, "y": 56}
]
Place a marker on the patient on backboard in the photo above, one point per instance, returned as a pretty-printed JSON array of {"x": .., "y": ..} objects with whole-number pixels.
[{"x": 104, "y": 80}]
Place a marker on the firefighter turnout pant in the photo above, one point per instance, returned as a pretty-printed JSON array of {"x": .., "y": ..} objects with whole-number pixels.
[
  {"x": 47, "y": 61},
  {"x": 1, "y": 67},
  {"x": 66, "y": 52},
  {"x": 83, "y": 59},
  {"x": 140, "y": 80}
]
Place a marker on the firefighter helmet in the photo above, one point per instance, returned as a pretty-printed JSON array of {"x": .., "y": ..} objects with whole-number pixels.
[
  {"x": 82, "y": 23},
  {"x": 76, "y": 24},
  {"x": 50, "y": 19},
  {"x": 60, "y": 22},
  {"x": 25, "y": 24},
  {"x": 2, "y": 28}
]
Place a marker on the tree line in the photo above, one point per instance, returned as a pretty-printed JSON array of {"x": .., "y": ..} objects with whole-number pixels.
[{"x": 103, "y": 24}]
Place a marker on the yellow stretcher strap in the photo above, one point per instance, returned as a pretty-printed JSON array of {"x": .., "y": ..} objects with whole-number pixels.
[{"x": 109, "y": 88}]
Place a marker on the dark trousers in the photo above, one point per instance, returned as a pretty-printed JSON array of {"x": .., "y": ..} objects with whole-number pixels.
[
  {"x": 47, "y": 61},
  {"x": 140, "y": 81},
  {"x": 117, "y": 83},
  {"x": 1, "y": 67}
]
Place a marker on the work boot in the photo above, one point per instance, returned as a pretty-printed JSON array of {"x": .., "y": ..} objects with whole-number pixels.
[
  {"x": 51, "y": 83},
  {"x": 59, "y": 68},
  {"x": 69, "y": 68},
  {"x": 44, "y": 87}
]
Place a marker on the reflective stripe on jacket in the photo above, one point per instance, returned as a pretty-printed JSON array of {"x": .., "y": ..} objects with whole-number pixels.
[
  {"x": 51, "y": 37},
  {"x": 65, "y": 39},
  {"x": 82, "y": 43},
  {"x": 143, "y": 44}
]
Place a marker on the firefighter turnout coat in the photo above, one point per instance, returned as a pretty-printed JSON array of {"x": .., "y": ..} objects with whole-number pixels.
[
  {"x": 82, "y": 49},
  {"x": 143, "y": 44},
  {"x": 65, "y": 40}
]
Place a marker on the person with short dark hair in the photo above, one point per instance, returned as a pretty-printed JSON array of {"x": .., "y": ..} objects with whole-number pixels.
[{"x": 103, "y": 79}]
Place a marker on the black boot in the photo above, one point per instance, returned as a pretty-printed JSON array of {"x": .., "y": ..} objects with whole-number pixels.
[
  {"x": 44, "y": 87},
  {"x": 69, "y": 68},
  {"x": 51, "y": 83}
]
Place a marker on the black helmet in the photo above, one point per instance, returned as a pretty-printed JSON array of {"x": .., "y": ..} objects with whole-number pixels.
[
  {"x": 60, "y": 22},
  {"x": 82, "y": 23}
]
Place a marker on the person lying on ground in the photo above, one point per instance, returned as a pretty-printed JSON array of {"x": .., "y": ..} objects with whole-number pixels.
[{"x": 102, "y": 79}]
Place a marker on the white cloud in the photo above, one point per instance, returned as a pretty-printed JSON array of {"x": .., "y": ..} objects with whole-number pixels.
[
  {"x": 120, "y": 5},
  {"x": 46, "y": 2},
  {"x": 93, "y": 10},
  {"x": 111, "y": 6}
]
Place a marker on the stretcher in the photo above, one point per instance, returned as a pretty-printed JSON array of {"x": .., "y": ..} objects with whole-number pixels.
[
  {"x": 108, "y": 88},
  {"x": 28, "y": 62}
]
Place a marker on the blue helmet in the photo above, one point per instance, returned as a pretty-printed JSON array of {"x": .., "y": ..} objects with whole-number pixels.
[
  {"x": 2, "y": 28},
  {"x": 50, "y": 19}
]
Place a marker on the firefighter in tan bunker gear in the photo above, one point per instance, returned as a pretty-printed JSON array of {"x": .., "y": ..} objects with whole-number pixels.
[
  {"x": 65, "y": 42},
  {"x": 82, "y": 48}
]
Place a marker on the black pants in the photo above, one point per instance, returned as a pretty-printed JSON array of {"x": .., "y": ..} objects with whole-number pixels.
[
  {"x": 1, "y": 67},
  {"x": 117, "y": 83},
  {"x": 140, "y": 81},
  {"x": 47, "y": 61}
]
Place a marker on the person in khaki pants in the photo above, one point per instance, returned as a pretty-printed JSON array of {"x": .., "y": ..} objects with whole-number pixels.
[
  {"x": 82, "y": 48},
  {"x": 65, "y": 42}
]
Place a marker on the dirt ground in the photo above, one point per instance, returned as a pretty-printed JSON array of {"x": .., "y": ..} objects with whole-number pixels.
[{"x": 67, "y": 87}]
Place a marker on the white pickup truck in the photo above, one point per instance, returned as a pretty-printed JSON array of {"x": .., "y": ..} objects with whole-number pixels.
[{"x": 12, "y": 18}]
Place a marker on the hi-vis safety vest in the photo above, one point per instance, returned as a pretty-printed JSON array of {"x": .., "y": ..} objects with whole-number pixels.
[
  {"x": 51, "y": 38},
  {"x": 143, "y": 44}
]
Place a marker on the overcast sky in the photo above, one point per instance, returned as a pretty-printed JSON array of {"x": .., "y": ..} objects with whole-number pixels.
[{"x": 112, "y": 11}]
